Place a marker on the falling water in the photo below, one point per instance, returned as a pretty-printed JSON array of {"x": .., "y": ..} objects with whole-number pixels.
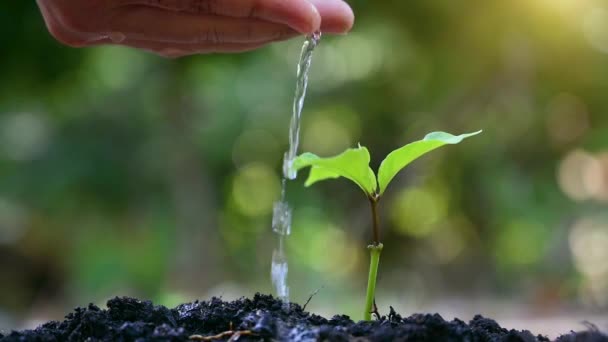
[
  {"x": 281, "y": 214},
  {"x": 281, "y": 224},
  {"x": 298, "y": 103}
]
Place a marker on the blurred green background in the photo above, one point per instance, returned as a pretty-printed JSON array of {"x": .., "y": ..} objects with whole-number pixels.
[{"x": 122, "y": 173}]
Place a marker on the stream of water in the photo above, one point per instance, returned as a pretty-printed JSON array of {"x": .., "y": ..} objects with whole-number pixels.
[{"x": 281, "y": 214}]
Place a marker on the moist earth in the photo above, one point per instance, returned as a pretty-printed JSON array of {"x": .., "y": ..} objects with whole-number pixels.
[{"x": 264, "y": 318}]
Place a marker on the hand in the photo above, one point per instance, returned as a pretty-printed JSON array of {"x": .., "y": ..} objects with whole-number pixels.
[{"x": 174, "y": 28}]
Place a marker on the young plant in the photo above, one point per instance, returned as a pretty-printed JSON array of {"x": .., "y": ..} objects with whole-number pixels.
[{"x": 353, "y": 164}]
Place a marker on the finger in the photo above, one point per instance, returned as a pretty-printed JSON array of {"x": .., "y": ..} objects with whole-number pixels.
[
  {"x": 66, "y": 35},
  {"x": 297, "y": 14},
  {"x": 175, "y": 50},
  {"x": 336, "y": 15},
  {"x": 142, "y": 23},
  {"x": 183, "y": 50}
]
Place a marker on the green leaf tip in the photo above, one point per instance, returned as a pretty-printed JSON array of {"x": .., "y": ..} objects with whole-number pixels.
[
  {"x": 401, "y": 157},
  {"x": 352, "y": 164},
  {"x": 449, "y": 138}
]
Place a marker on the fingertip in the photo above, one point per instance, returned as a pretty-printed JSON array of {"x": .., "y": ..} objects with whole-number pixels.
[
  {"x": 312, "y": 22},
  {"x": 336, "y": 16},
  {"x": 348, "y": 19},
  {"x": 317, "y": 20},
  {"x": 301, "y": 15}
]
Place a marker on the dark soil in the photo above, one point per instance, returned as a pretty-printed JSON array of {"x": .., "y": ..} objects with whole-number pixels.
[{"x": 263, "y": 318}]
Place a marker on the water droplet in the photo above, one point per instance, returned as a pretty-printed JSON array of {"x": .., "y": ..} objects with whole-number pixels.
[
  {"x": 281, "y": 218},
  {"x": 288, "y": 171}
]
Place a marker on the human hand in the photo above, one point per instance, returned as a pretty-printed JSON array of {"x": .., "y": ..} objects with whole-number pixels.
[{"x": 175, "y": 28}]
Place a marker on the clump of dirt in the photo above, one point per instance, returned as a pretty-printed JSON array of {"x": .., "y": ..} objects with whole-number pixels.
[{"x": 263, "y": 318}]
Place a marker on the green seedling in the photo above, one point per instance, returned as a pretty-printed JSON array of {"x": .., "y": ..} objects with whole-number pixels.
[{"x": 353, "y": 164}]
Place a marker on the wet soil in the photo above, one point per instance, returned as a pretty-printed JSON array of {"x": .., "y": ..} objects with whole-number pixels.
[{"x": 264, "y": 318}]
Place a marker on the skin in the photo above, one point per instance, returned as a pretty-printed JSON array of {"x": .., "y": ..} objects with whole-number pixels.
[{"x": 175, "y": 28}]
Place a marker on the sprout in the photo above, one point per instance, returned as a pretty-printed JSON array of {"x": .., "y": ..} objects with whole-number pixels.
[{"x": 353, "y": 164}]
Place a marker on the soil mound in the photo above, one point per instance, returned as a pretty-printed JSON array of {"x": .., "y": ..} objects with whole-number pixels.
[{"x": 264, "y": 318}]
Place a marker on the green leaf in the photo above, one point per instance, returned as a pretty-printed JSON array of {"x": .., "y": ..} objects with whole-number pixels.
[
  {"x": 352, "y": 164},
  {"x": 318, "y": 174},
  {"x": 400, "y": 158}
]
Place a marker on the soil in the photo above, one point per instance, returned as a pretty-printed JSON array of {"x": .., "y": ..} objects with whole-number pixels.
[{"x": 264, "y": 318}]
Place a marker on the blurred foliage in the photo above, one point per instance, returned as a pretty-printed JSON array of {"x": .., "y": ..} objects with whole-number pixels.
[{"x": 123, "y": 173}]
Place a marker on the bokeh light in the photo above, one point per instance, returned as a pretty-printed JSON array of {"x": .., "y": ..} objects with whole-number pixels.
[
  {"x": 254, "y": 189},
  {"x": 324, "y": 247},
  {"x": 521, "y": 243},
  {"x": 330, "y": 131},
  {"x": 255, "y": 145},
  {"x": 582, "y": 176},
  {"x": 595, "y": 28},
  {"x": 24, "y": 136},
  {"x": 416, "y": 211},
  {"x": 588, "y": 240}
]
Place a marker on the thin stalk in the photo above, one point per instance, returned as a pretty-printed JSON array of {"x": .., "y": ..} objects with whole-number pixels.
[
  {"x": 373, "y": 201},
  {"x": 374, "y": 251}
]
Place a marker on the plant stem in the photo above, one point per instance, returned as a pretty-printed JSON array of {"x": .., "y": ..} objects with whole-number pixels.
[
  {"x": 374, "y": 251},
  {"x": 373, "y": 201}
]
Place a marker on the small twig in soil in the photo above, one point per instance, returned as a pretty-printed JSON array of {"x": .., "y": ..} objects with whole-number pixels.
[
  {"x": 375, "y": 310},
  {"x": 234, "y": 335},
  {"x": 311, "y": 295},
  {"x": 590, "y": 326}
]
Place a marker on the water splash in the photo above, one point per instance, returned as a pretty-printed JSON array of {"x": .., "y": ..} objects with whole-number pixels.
[{"x": 281, "y": 213}]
